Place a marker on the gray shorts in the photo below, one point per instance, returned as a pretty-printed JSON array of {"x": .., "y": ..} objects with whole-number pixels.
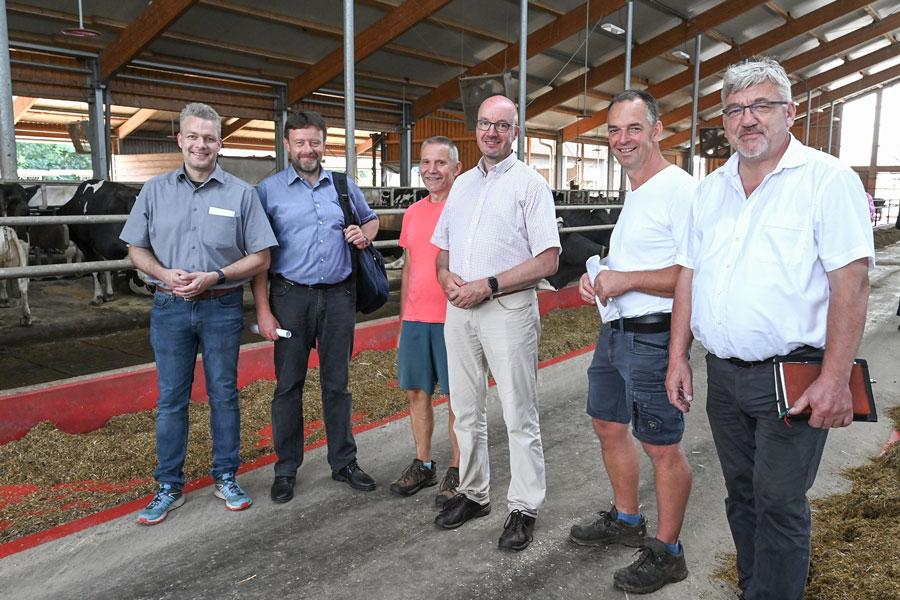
[{"x": 626, "y": 384}]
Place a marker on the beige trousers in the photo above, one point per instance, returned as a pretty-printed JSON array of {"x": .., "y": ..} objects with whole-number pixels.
[{"x": 503, "y": 335}]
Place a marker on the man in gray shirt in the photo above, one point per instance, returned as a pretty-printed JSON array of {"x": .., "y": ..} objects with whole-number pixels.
[{"x": 200, "y": 234}]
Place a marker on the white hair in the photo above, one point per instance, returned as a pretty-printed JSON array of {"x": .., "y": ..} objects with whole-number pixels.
[{"x": 743, "y": 75}]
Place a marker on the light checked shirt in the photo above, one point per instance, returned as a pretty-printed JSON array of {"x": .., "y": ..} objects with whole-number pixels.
[{"x": 495, "y": 220}]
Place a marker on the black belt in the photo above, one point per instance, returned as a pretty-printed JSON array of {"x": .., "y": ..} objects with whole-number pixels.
[
  {"x": 654, "y": 323},
  {"x": 314, "y": 286},
  {"x": 746, "y": 364}
]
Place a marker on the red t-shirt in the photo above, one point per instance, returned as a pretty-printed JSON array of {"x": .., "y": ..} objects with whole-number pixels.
[{"x": 425, "y": 300}]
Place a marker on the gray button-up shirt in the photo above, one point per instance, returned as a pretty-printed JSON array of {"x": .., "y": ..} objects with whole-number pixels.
[
  {"x": 198, "y": 229},
  {"x": 495, "y": 220}
]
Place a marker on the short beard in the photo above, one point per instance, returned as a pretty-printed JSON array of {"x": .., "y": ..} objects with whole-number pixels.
[{"x": 298, "y": 166}]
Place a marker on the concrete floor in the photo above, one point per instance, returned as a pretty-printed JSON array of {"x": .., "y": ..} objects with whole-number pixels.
[{"x": 336, "y": 543}]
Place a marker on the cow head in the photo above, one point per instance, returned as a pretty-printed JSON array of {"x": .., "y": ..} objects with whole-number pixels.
[{"x": 14, "y": 203}]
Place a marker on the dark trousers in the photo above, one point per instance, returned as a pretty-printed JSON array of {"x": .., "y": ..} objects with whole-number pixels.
[
  {"x": 323, "y": 318},
  {"x": 768, "y": 468}
]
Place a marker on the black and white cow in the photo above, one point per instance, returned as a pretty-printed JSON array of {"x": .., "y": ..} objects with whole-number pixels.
[
  {"x": 577, "y": 247},
  {"x": 13, "y": 245},
  {"x": 100, "y": 241}
]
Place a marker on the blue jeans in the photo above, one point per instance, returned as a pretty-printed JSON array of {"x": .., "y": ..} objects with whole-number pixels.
[
  {"x": 324, "y": 319},
  {"x": 768, "y": 468},
  {"x": 177, "y": 328},
  {"x": 626, "y": 384}
]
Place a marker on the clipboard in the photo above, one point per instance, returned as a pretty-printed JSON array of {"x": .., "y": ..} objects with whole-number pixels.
[{"x": 792, "y": 377}]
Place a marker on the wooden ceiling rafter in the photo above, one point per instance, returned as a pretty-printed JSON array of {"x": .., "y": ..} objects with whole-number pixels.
[
  {"x": 759, "y": 44},
  {"x": 367, "y": 42},
  {"x": 21, "y": 105},
  {"x": 652, "y": 48},
  {"x": 131, "y": 125},
  {"x": 438, "y": 21},
  {"x": 140, "y": 33},
  {"x": 547, "y": 36}
]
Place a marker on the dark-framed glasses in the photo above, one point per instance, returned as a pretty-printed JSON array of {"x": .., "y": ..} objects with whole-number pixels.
[
  {"x": 761, "y": 108},
  {"x": 500, "y": 126}
]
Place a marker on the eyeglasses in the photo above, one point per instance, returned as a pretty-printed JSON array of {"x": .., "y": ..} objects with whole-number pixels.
[
  {"x": 761, "y": 108},
  {"x": 500, "y": 126}
]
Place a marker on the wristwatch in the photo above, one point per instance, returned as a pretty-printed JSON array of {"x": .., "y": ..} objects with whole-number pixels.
[
  {"x": 495, "y": 285},
  {"x": 221, "y": 275}
]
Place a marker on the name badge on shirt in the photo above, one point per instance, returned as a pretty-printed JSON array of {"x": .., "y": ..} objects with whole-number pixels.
[{"x": 221, "y": 212}]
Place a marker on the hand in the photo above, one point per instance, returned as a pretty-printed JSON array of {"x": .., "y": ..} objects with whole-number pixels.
[
  {"x": 679, "y": 384},
  {"x": 830, "y": 402},
  {"x": 586, "y": 289},
  {"x": 174, "y": 278},
  {"x": 472, "y": 294},
  {"x": 450, "y": 283},
  {"x": 609, "y": 284},
  {"x": 197, "y": 283},
  {"x": 354, "y": 235},
  {"x": 267, "y": 325}
]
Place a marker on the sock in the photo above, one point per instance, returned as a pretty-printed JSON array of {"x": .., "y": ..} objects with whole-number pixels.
[
  {"x": 629, "y": 519},
  {"x": 673, "y": 549},
  {"x": 428, "y": 464}
]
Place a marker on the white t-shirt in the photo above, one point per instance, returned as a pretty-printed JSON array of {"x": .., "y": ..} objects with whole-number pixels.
[
  {"x": 760, "y": 284},
  {"x": 646, "y": 237}
]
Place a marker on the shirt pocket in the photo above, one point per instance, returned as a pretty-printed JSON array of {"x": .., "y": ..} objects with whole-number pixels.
[
  {"x": 783, "y": 241},
  {"x": 220, "y": 231}
]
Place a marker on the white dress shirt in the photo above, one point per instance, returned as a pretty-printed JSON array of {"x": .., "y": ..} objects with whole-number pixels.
[
  {"x": 760, "y": 285},
  {"x": 646, "y": 237},
  {"x": 495, "y": 220}
]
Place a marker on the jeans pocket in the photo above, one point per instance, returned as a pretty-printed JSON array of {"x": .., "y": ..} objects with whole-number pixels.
[
  {"x": 161, "y": 300},
  {"x": 232, "y": 300}
]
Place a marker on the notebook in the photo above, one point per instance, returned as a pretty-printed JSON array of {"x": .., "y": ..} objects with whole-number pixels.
[{"x": 792, "y": 377}]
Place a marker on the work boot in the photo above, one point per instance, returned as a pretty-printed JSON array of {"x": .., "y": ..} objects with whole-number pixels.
[
  {"x": 448, "y": 486},
  {"x": 608, "y": 529},
  {"x": 414, "y": 478},
  {"x": 654, "y": 568}
]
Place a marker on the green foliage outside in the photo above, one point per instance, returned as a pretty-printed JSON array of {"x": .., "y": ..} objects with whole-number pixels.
[{"x": 37, "y": 155}]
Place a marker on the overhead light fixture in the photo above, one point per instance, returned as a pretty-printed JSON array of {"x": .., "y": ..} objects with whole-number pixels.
[
  {"x": 612, "y": 28},
  {"x": 80, "y": 31},
  {"x": 681, "y": 54}
]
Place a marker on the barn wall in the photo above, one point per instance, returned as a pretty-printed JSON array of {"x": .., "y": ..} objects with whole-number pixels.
[
  {"x": 432, "y": 126},
  {"x": 141, "y": 167}
]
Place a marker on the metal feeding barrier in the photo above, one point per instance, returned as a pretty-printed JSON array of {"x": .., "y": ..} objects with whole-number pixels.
[{"x": 391, "y": 201}]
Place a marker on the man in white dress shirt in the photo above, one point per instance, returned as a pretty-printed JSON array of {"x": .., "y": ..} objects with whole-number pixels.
[
  {"x": 498, "y": 238},
  {"x": 775, "y": 263},
  {"x": 626, "y": 379}
]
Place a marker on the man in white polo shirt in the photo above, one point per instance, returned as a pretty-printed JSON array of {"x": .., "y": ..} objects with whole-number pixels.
[
  {"x": 498, "y": 238},
  {"x": 775, "y": 263},
  {"x": 626, "y": 379}
]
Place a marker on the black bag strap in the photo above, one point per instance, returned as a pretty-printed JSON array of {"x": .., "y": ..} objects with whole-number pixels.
[{"x": 340, "y": 186}]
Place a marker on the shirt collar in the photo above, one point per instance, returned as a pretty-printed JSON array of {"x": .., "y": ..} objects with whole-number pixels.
[
  {"x": 218, "y": 174},
  {"x": 501, "y": 167},
  {"x": 293, "y": 175},
  {"x": 793, "y": 157}
]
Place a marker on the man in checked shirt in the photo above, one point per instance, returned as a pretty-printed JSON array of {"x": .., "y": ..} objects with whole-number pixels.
[{"x": 498, "y": 237}]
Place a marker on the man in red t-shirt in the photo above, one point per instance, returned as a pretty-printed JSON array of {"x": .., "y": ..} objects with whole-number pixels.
[{"x": 422, "y": 357}]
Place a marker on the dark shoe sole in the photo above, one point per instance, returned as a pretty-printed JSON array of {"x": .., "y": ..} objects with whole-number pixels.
[
  {"x": 485, "y": 511},
  {"x": 283, "y": 499},
  {"x": 398, "y": 491},
  {"x": 512, "y": 548},
  {"x": 362, "y": 488},
  {"x": 630, "y": 543},
  {"x": 675, "y": 578}
]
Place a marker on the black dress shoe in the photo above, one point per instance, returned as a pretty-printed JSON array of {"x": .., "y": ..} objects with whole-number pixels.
[
  {"x": 282, "y": 489},
  {"x": 517, "y": 532},
  {"x": 458, "y": 510},
  {"x": 355, "y": 476}
]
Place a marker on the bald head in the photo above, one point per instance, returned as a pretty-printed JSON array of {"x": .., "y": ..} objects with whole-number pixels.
[{"x": 496, "y": 129}]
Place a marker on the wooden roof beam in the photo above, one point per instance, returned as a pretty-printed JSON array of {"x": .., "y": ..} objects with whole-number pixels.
[
  {"x": 367, "y": 42},
  {"x": 21, "y": 104},
  {"x": 234, "y": 126},
  {"x": 134, "y": 121},
  {"x": 546, "y": 37},
  {"x": 761, "y": 43},
  {"x": 721, "y": 13},
  {"x": 154, "y": 20},
  {"x": 445, "y": 23}
]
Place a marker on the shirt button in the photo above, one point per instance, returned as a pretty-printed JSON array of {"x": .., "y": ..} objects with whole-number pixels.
[
  {"x": 193, "y": 247},
  {"x": 321, "y": 260},
  {"x": 320, "y": 222},
  {"x": 320, "y": 241}
]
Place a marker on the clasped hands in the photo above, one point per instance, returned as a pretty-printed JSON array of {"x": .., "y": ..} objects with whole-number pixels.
[
  {"x": 462, "y": 293},
  {"x": 189, "y": 285}
]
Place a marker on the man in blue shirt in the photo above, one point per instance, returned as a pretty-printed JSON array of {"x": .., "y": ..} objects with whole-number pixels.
[{"x": 309, "y": 291}]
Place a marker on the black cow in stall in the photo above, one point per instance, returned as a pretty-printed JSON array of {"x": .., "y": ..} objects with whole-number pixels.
[
  {"x": 577, "y": 247},
  {"x": 100, "y": 241}
]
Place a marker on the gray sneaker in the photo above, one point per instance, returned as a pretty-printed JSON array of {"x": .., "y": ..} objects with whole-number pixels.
[
  {"x": 609, "y": 530},
  {"x": 654, "y": 568},
  {"x": 448, "y": 486}
]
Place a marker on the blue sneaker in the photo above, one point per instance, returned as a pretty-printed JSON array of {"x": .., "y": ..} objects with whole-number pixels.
[
  {"x": 168, "y": 497},
  {"x": 227, "y": 489}
]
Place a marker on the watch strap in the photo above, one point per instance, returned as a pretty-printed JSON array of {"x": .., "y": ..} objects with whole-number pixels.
[{"x": 221, "y": 275}]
